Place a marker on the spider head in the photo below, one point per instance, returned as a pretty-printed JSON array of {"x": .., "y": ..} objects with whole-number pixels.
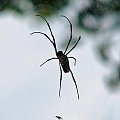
[{"x": 59, "y": 53}]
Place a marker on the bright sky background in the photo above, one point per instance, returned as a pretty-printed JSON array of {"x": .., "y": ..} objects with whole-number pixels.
[{"x": 28, "y": 92}]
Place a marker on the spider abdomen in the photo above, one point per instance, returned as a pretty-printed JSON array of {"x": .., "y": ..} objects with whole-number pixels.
[
  {"x": 64, "y": 63},
  {"x": 63, "y": 59}
]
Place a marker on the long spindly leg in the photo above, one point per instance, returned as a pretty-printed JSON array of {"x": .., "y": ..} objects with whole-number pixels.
[
  {"x": 73, "y": 59},
  {"x": 74, "y": 45},
  {"x": 47, "y": 37},
  {"x": 70, "y": 33},
  {"x": 43, "y": 34},
  {"x": 60, "y": 79},
  {"x": 50, "y": 33},
  {"x": 47, "y": 61},
  {"x": 75, "y": 83}
]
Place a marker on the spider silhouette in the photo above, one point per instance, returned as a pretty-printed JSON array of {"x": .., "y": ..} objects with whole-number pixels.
[
  {"x": 61, "y": 56},
  {"x": 59, "y": 117}
]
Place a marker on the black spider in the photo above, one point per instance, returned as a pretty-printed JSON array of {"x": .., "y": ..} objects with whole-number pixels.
[
  {"x": 62, "y": 56},
  {"x": 59, "y": 117}
]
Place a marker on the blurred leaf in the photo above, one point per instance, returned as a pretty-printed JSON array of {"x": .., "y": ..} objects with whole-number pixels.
[
  {"x": 48, "y": 7},
  {"x": 88, "y": 23},
  {"x": 16, "y": 9},
  {"x": 113, "y": 84},
  {"x": 45, "y": 7},
  {"x": 113, "y": 81},
  {"x": 118, "y": 71},
  {"x": 5, "y": 4},
  {"x": 89, "y": 19},
  {"x": 103, "y": 50}
]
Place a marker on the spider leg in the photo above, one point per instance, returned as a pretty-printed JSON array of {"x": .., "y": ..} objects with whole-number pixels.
[
  {"x": 70, "y": 33},
  {"x": 47, "y": 37},
  {"x": 60, "y": 79},
  {"x": 74, "y": 59},
  {"x": 74, "y": 45},
  {"x": 75, "y": 83},
  {"x": 43, "y": 34},
  {"x": 47, "y": 61},
  {"x": 50, "y": 32}
]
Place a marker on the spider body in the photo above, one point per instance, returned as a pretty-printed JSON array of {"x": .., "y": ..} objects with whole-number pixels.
[
  {"x": 62, "y": 56},
  {"x": 64, "y": 62}
]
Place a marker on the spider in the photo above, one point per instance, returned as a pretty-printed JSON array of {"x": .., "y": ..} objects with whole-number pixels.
[
  {"x": 61, "y": 56},
  {"x": 59, "y": 117}
]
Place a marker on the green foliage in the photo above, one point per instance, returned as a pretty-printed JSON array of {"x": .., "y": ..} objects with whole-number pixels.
[
  {"x": 96, "y": 12},
  {"x": 43, "y": 7}
]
